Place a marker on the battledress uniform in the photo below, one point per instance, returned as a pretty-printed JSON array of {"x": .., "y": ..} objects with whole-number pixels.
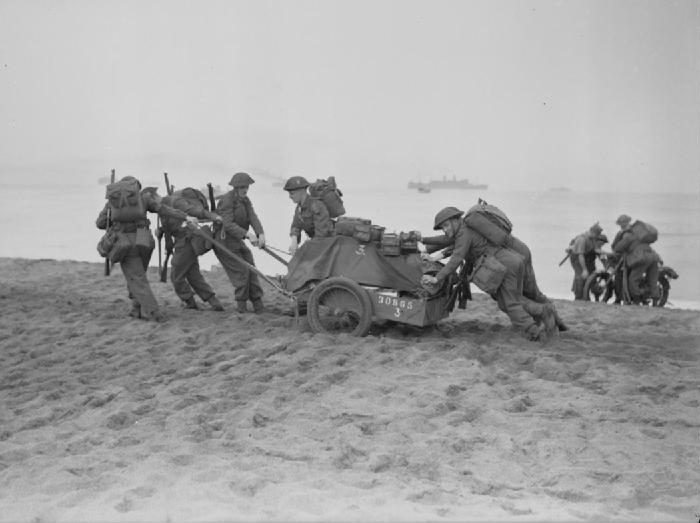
[
  {"x": 582, "y": 244},
  {"x": 185, "y": 273},
  {"x": 470, "y": 245},
  {"x": 135, "y": 262},
  {"x": 312, "y": 217},
  {"x": 238, "y": 216}
]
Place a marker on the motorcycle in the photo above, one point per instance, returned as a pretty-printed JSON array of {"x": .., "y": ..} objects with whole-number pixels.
[{"x": 612, "y": 281}]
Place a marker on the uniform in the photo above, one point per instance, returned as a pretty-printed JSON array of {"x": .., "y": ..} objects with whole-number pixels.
[
  {"x": 185, "y": 273},
  {"x": 238, "y": 216},
  {"x": 312, "y": 217},
  {"x": 470, "y": 245},
  {"x": 627, "y": 243},
  {"x": 131, "y": 227},
  {"x": 583, "y": 244}
]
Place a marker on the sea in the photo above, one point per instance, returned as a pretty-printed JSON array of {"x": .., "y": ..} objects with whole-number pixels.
[{"x": 57, "y": 221}]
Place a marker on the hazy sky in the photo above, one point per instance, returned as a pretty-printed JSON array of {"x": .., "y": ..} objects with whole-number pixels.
[{"x": 511, "y": 93}]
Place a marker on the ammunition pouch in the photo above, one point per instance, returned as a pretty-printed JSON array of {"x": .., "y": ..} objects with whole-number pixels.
[
  {"x": 199, "y": 244},
  {"x": 121, "y": 247},
  {"x": 488, "y": 273}
]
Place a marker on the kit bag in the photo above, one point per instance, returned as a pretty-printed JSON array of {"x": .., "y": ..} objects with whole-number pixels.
[
  {"x": 106, "y": 243},
  {"x": 643, "y": 255},
  {"x": 488, "y": 273},
  {"x": 199, "y": 244},
  {"x": 490, "y": 222},
  {"x": 328, "y": 192},
  {"x": 644, "y": 232},
  {"x": 390, "y": 244},
  {"x": 125, "y": 200},
  {"x": 121, "y": 247}
]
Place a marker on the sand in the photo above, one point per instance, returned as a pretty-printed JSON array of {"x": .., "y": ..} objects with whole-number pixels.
[{"x": 224, "y": 416}]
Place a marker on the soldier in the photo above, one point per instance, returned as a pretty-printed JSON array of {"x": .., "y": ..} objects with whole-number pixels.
[
  {"x": 584, "y": 249},
  {"x": 125, "y": 214},
  {"x": 310, "y": 215},
  {"x": 185, "y": 274},
  {"x": 238, "y": 216},
  {"x": 530, "y": 288},
  {"x": 470, "y": 246},
  {"x": 640, "y": 258}
]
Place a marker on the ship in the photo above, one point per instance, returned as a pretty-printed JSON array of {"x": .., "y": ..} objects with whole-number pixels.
[{"x": 448, "y": 183}]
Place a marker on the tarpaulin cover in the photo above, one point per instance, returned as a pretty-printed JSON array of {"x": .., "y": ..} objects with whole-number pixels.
[{"x": 321, "y": 258}]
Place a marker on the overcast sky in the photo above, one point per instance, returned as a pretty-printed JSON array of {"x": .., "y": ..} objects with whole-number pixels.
[{"x": 513, "y": 93}]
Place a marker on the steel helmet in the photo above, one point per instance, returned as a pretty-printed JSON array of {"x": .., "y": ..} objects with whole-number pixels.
[
  {"x": 296, "y": 182},
  {"x": 444, "y": 215},
  {"x": 241, "y": 180}
]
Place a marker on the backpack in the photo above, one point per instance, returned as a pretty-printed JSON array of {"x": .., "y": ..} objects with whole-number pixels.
[
  {"x": 125, "y": 200},
  {"x": 328, "y": 192},
  {"x": 644, "y": 232},
  {"x": 489, "y": 221}
]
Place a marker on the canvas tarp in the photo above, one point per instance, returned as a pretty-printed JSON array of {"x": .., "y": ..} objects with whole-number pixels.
[{"x": 322, "y": 258}]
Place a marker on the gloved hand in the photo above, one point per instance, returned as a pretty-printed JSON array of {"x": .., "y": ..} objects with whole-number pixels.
[
  {"x": 294, "y": 245},
  {"x": 261, "y": 241},
  {"x": 251, "y": 236},
  {"x": 427, "y": 279}
]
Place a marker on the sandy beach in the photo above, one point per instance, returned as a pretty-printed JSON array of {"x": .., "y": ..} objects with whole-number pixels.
[{"x": 224, "y": 416}]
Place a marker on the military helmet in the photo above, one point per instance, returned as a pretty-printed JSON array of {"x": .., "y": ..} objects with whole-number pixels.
[
  {"x": 623, "y": 220},
  {"x": 241, "y": 180},
  {"x": 444, "y": 215},
  {"x": 296, "y": 182}
]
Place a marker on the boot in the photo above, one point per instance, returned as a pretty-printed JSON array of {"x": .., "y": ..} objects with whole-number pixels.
[
  {"x": 135, "y": 311},
  {"x": 258, "y": 306},
  {"x": 190, "y": 303},
  {"x": 241, "y": 306},
  {"x": 559, "y": 322},
  {"x": 215, "y": 304}
]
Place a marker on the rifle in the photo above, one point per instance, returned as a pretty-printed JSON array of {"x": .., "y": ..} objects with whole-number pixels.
[
  {"x": 109, "y": 224},
  {"x": 568, "y": 255},
  {"x": 168, "y": 243}
]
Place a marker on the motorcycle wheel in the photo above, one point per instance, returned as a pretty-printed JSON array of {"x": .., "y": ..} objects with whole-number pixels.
[
  {"x": 598, "y": 287},
  {"x": 664, "y": 287}
]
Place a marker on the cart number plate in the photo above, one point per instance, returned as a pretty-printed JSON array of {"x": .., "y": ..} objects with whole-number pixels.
[{"x": 398, "y": 305}]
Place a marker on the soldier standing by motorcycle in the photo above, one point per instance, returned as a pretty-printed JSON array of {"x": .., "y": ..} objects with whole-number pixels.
[
  {"x": 583, "y": 251},
  {"x": 633, "y": 241}
]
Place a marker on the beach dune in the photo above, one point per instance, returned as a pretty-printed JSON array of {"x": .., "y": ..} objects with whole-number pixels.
[{"x": 224, "y": 416}]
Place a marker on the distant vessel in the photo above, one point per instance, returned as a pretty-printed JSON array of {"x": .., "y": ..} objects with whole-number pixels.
[
  {"x": 423, "y": 188},
  {"x": 447, "y": 183}
]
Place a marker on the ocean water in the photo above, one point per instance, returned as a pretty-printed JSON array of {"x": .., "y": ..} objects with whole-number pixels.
[{"x": 58, "y": 221}]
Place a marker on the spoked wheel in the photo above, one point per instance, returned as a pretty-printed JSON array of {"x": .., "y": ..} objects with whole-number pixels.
[
  {"x": 340, "y": 305},
  {"x": 598, "y": 287},
  {"x": 663, "y": 291}
]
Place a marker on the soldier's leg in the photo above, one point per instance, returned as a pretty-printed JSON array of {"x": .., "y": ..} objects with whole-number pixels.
[
  {"x": 635, "y": 276},
  {"x": 577, "y": 286},
  {"x": 180, "y": 268},
  {"x": 237, "y": 274},
  {"x": 139, "y": 288},
  {"x": 255, "y": 291},
  {"x": 509, "y": 301}
]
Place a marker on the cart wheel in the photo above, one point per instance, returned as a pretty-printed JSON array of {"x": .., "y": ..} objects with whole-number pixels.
[{"x": 340, "y": 305}]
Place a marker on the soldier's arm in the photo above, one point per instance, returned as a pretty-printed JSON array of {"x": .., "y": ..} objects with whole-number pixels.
[
  {"x": 621, "y": 244},
  {"x": 296, "y": 228},
  {"x": 161, "y": 209},
  {"x": 254, "y": 220},
  {"x": 191, "y": 210},
  {"x": 101, "y": 221},
  {"x": 436, "y": 243},
  {"x": 323, "y": 226},
  {"x": 463, "y": 243}
]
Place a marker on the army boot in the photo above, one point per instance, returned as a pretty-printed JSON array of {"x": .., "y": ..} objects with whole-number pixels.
[
  {"x": 215, "y": 303},
  {"x": 241, "y": 306},
  {"x": 190, "y": 303},
  {"x": 559, "y": 322},
  {"x": 258, "y": 306},
  {"x": 135, "y": 311}
]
